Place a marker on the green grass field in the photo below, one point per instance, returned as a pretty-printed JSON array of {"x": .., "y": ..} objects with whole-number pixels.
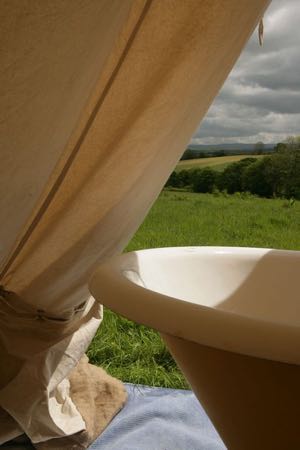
[
  {"x": 217, "y": 163},
  {"x": 135, "y": 353}
]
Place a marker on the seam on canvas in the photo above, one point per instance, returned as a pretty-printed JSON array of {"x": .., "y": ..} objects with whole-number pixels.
[{"x": 76, "y": 148}]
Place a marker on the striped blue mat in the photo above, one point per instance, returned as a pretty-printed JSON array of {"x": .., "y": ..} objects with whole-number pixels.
[{"x": 159, "y": 419}]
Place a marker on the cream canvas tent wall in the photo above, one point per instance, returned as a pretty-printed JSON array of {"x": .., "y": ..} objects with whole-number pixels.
[{"x": 98, "y": 101}]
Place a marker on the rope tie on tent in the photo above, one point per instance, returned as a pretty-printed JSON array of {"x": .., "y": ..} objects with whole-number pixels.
[
  {"x": 11, "y": 304},
  {"x": 261, "y": 32}
]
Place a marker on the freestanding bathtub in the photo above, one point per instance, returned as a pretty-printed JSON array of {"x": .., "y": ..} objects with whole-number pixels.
[{"x": 231, "y": 319}]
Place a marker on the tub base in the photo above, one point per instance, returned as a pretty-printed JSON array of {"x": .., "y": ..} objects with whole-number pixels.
[{"x": 253, "y": 403}]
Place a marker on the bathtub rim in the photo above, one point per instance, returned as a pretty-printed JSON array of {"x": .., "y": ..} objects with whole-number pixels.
[{"x": 219, "y": 329}]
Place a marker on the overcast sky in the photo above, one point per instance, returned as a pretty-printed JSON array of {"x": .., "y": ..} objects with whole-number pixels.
[{"x": 260, "y": 100}]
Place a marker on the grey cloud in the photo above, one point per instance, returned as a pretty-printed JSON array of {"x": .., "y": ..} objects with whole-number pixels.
[
  {"x": 281, "y": 101},
  {"x": 261, "y": 98},
  {"x": 274, "y": 71}
]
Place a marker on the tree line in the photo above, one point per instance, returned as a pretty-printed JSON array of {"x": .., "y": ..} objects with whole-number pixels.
[
  {"x": 275, "y": 175},
  {"x": 258, "y": 149}
]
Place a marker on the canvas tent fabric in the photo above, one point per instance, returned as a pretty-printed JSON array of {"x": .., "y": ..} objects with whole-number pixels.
[{"x": 98, "y": 101}]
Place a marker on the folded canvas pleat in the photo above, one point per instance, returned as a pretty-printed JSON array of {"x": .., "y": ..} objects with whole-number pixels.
[{"x": 35, "y": 390}]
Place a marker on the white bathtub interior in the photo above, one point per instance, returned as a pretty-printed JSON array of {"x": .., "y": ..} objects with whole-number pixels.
[{"x": 258, "y": 283}]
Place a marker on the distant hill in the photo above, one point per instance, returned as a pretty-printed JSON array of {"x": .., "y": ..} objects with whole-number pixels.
[
  {"x": 195, "y": 151},
  {"x": 228, "y": 147}
]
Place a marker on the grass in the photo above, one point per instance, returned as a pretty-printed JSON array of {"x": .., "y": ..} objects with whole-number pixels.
[
  {"x": 183, "y": 218},
  {"x": 136, "y": 353},
  {"x": 218, "y": 162},
  {"x": 133, "y": 353}
]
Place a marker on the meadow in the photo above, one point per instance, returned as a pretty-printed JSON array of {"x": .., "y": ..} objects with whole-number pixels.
[
  {"x": 217, "y": 163},
  {"x": 136, "y": 353}
]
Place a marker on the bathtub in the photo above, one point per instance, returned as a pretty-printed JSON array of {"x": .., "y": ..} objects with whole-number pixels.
[{"x": 231, "y": 318}]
